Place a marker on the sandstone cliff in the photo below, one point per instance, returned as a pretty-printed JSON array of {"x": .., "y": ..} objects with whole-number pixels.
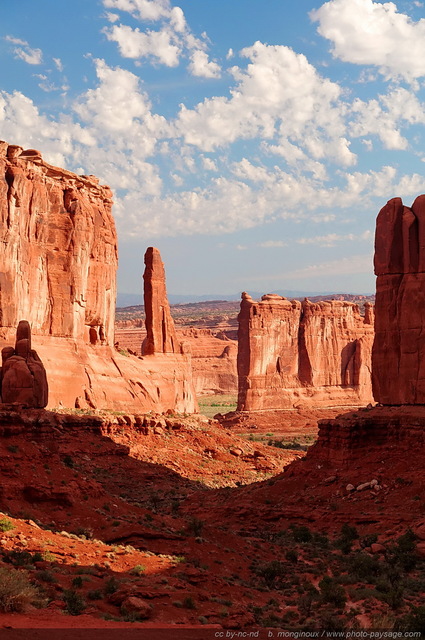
[
  {"x": 399, "y": 347},
  {"x": 59, "y": 249},
  {"x": 57, "y": 270},
  {"x": 295, "y": 354}
]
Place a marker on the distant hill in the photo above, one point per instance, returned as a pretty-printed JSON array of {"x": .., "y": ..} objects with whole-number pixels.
[{"x": 133, "y": 299}]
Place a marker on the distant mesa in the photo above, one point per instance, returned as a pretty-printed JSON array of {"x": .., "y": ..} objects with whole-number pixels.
[
  {"x": 23, "y": 379},
  {"x": 294, "y": 353}
]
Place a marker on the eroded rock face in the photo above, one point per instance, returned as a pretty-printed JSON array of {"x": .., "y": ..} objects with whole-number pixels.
[
  {"x": 295, "y": 354},
  {"x": 399, "y": 348},
  {"x": 161, "y": 334},
  {"x": 57, "y": 269},
  {"x": 23, "y": 377},
  {"x": 59, "y": 249}
]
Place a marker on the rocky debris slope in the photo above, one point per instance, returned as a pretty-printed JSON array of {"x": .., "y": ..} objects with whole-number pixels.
[
  {"x": 303, "y": 354},
  {"x": 138, "y": 520},
  {"x": 399, "y": 347},
  {"x": 57, "y": 269}
]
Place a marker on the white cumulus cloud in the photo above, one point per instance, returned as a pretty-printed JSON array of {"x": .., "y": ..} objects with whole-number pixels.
[
  {"x": 133, "y": 43},
  {"x": 201, "y": 66},
  {"x": 365, "y": 32}
]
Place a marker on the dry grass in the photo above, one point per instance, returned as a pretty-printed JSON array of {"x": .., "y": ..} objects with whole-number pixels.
[{"x": 16, "y": 591}]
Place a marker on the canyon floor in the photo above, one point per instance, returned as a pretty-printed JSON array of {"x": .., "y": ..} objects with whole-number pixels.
[{"x": 113, "y": 521}]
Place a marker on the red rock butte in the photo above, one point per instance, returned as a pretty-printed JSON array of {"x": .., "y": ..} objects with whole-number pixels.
[
  {"x": 58, "y": 272},
  {"x": 399, "y": 349},
  {"x": 303, "y": 354}
]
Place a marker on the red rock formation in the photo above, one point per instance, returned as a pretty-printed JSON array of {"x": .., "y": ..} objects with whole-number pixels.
[
  {"x": 23, "y": 377},
  {"x": 295, "y": 354},
  {"x": 399, "y": 347},
  {"x": 57, "y": 269},
  {"x": 59, "y": 257},
  {"x": 213, "y": 356},
  {"x": 161, "y": 334}
]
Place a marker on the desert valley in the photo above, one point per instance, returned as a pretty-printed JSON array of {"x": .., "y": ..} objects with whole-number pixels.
[{"x": 244, "y": 468}]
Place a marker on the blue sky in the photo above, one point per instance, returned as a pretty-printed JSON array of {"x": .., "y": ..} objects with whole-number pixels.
[{"x": 252, "y": 142}]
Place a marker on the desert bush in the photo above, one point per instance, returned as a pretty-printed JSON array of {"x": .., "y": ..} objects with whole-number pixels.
[
  {"x": 195, "y": 527},
  {"x": 77, "y": 582},
  {"x": 16, "y": 590},
  {"x": 413, "y": 621},
  {"x": 270, "y": 572},
  {"x": 364, "y": 566},
  {"x": 332, "y": 592},
  {"x": 111, "y": 586},
  {"x": 137, "y": 570},
  {"x": 301, "y": 533},
  {"x": 291, "y": 555},
  {"x": 68, "y": 461},
  {"x": 75, "y": 604},
  {"x": 346, "y": 538},
  {"x": 403, "y": 554},
  {"x": 6, "y": 524},
  {"x": 45, "y": 576},
  {"x": 189, "y": 603}
]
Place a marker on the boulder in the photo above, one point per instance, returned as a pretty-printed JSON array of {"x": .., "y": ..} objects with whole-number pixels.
[{"x": 23, "y": 378}]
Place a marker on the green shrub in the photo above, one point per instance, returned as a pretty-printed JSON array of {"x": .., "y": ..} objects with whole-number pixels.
[
  {"x": 188, "y": 603},
  {"x": 332, "y": 592},
  {"x": 137, "y": 570},
  {"x": 75, "y": 604},
  {"x": 270, "y": 572},
  {"x": 413, "y": 621},
  {"x": 346, "y": 538},
  {"x": 364, "y": 566},
  {"x": 77, "y": 582},
  {"x": 195, "y": 527},
  {"x": 291, "y": 555},
  {"x": 111, "y": 586},
  {"x": 45, "y": 576},
  {"x": 68, "y": 461},
  {"x": 301, "y": 533},
  {"x": 6, "y": 524}
]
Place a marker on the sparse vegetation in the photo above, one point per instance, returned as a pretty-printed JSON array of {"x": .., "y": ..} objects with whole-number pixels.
[
  {"x": 16, "y": 590},
  {"x": 6, "y": 524},
  {"x": 75, "y": 603}
]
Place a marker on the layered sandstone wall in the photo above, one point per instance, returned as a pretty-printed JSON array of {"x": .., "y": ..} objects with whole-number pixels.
[
  {"x": 59, "y": 249},
  {"x": 294, "y": 354},
  {"x": 398, "y": 351},
  {"x": 213, "y": 356},
  {"x": 58, "y": 271}
]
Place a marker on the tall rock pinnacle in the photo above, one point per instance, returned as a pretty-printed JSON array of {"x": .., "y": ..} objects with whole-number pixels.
[
  {"x": 161, "y": 334},
  {"x": 398, "y": 356}
]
